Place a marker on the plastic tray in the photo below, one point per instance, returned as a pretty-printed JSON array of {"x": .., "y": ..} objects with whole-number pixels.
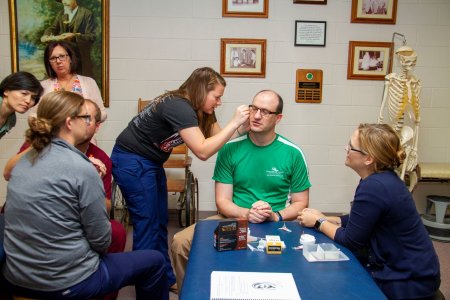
[{"x": 323, "y": 252}]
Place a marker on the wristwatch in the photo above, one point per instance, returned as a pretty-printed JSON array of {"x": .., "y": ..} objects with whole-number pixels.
[
  {"x": 319, "y": 222},
  {"x": 280, "y": 217}
]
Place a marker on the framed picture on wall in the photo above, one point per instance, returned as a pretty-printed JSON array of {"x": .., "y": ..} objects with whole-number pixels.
[
  {"x": 374, "y": 11},
  {"x": 369, "y": 60},
  {"x": 35, "y": 23},
  {"x": 310, "y": 33},
  {"x": 245, "y": 8},
  {"x": 243, "y": 57},
  {"x": 310, "y": 1}
]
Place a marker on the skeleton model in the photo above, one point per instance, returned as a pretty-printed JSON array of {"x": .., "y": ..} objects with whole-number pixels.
[{"x": 401, "y": 96}]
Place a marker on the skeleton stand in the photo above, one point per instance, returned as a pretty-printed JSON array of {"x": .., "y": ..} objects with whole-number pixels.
[{"x": 402, "y": 97}]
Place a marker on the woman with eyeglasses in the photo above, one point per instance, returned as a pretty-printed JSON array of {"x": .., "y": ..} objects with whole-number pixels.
[
  {"x": 383, "y": 228},
  {"x": 18, "y": 93},
  {"x": 57, "y": 229},
  {"x": 185, "y": 115},
  {"x": 62, "y": 64}
]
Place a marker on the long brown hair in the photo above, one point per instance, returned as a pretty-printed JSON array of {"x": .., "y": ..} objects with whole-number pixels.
[
  {"x": 194, "y": 89},
  {"x": 52, "y": 113},
  {"x": 382, "y": 143}
]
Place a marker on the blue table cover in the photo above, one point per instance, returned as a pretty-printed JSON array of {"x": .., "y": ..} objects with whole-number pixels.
[{"x": 314, "y": 280}]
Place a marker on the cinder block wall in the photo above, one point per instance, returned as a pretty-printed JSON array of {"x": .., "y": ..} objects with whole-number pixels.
[{"x": 156, "y": 44}]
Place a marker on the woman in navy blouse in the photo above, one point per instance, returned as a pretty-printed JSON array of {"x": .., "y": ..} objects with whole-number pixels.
[{"x": 383, "y": 222}]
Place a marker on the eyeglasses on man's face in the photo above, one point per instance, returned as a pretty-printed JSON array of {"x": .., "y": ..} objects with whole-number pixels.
[
  {"x": 349, "y": 148},
  {"x": 87, "y": 118},
  {"x": 264, "y": 112},
  {"x": 62, "y": 57}
]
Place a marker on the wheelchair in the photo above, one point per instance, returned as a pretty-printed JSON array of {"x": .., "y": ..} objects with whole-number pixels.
[{"x": 187, "y": 201}]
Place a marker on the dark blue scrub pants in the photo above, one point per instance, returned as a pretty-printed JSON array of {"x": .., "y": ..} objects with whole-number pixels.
[
  {"x": 144, "y": 268},
  {"x": 2, "y": 231},
  {"x": 143, "y": 183}
]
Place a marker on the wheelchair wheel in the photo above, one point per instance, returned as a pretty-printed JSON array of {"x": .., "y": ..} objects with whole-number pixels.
[
  {"x": 187, "y": 211},
  {"x": 119, "y": 210}
]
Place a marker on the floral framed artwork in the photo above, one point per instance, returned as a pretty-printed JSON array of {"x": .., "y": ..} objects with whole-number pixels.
[
  {"x": 35, "y": 23},
  {"x": 243, "y": 57},
  {"x": 310, "y": 1},
  {"x": 369, "y": 60},
  {"x": 374, "y": 11},
  {"x": 245, "y": 8}
]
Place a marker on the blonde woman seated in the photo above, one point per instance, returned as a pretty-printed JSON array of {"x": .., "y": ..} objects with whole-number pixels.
[
  {"x": 383, "y": 219},
  {"x": 57, "y": 230}
]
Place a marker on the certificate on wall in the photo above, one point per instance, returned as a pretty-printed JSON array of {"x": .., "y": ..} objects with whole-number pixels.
[
  {"x": 253, "y": 286},
  {"x": 310, "y": 33}
]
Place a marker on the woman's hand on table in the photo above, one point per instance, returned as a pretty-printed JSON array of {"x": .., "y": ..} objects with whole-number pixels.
[{"x": 308, "y": 217}]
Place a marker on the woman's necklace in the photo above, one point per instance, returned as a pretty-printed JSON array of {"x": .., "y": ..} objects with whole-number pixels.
[{"x": 66, "y": 85}]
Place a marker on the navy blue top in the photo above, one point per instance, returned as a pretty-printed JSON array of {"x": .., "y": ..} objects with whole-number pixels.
[{"x": 384, "y": 218}]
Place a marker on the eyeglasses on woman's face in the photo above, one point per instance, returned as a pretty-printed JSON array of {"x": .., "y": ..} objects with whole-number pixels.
[
  {"x": 62, "y": 57},
  {"x": 87, "y": 118},
  {"x": 264, "y": 112},
  {"x": 349, "y": 148}
]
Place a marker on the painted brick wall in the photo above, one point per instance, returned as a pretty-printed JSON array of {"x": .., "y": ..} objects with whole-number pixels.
[{"x": 155, "y": 45}]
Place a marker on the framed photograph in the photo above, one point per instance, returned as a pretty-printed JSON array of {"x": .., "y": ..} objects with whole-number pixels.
[
  {"x": 369, "y": 60},
  {"x": 374, "y": 11},
  {"x": 310, "y": 33},
  {"x": 310, "y": 1},
  {"x": 245, "y": 8},
  {"x": 35, "y": 23},
  {"x": 243, "y": 57}
]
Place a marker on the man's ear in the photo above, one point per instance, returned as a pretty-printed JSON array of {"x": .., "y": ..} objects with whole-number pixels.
[
  {"x": 279, "y": 117},
  {"x": 97, "y": 126}
]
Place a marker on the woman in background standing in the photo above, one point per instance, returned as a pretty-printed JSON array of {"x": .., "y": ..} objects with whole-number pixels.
[{"x": 62, "y": 64}]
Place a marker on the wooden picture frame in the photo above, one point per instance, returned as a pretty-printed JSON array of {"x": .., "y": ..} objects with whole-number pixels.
[
  {"x": 378, "y": 12},
  {"x": 30, "y": 19},
  {"x": 310, "y": 2},
  {"x": 245, "y": 8},
  {"x": 369, "y": 60},
  {"x": 310, "y": 33},
  {"x": 243, "y": 57}
]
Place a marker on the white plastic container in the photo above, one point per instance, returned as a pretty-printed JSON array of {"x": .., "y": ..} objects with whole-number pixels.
[
  {"x": 306, "y": 239},
  {"x": 310, "y": 251},
  {"x": 328, "y": 251},
  {"x": 323, "y": 252}
]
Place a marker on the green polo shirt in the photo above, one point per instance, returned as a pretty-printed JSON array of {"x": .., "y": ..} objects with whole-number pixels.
[{"x": 266, "y": 173}]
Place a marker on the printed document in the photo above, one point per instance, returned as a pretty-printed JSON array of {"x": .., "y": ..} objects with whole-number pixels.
[{"x": 253, "y": 286}]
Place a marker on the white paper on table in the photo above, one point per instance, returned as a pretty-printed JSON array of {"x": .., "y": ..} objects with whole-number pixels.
[{"x": 253, "y": 285}]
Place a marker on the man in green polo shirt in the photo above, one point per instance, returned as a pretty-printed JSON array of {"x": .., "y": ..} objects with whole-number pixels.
[{"x": 260, "y": 176}]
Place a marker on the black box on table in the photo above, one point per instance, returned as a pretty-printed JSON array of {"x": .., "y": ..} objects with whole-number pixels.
[{"x": 231, "y": 234}]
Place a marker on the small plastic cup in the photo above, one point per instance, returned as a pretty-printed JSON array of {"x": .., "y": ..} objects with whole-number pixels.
[{"x": 307, "y": 239}]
